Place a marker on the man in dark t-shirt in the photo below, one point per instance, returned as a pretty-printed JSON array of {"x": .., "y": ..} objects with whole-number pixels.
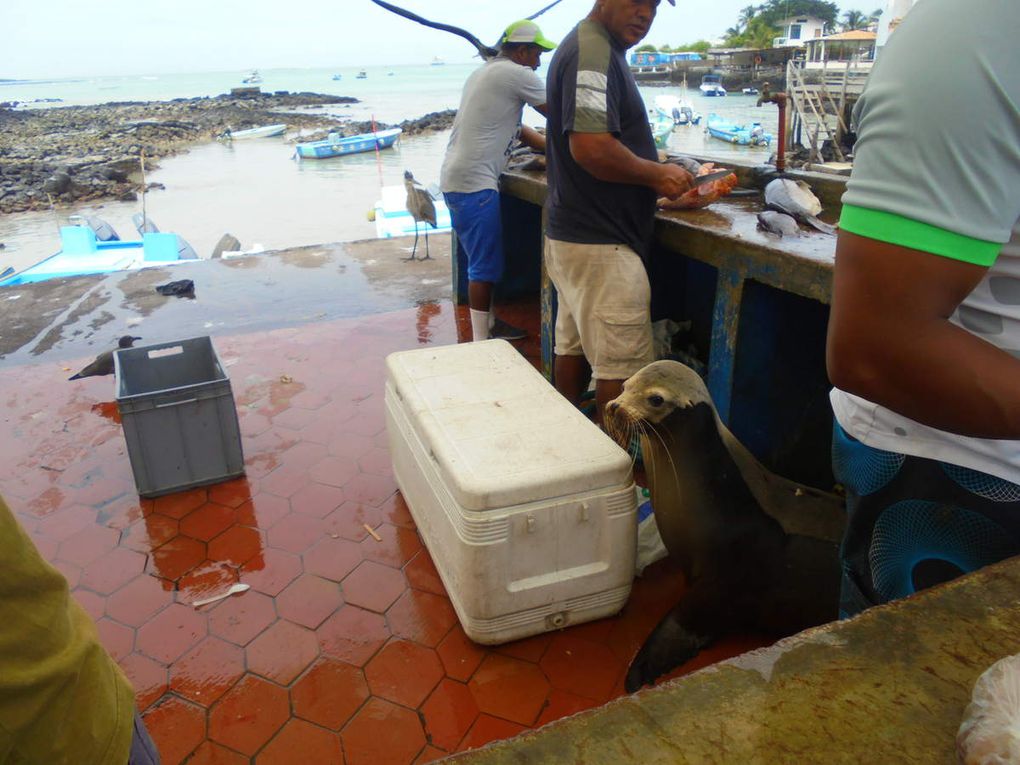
[{"x": 604, "y": 178}]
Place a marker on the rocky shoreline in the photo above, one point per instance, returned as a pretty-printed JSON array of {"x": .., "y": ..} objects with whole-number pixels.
[{"x": 68, "y": 155}]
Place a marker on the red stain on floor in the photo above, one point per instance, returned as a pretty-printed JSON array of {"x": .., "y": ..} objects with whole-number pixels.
[{"x": 346, "y": 647}]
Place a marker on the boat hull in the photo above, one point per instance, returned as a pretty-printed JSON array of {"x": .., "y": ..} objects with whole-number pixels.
[
  {"x": 354, "y": 144},
  {"x": 743, "y": 135},
  {"x": 265, "y": 131}
]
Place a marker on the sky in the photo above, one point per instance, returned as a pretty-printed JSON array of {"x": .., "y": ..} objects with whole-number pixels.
[{"x": 65, "y": 38}]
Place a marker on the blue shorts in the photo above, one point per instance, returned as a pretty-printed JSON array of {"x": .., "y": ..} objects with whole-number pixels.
[
  {"x": 914, "y": 522},
  {"x": 475, "y": 218}
]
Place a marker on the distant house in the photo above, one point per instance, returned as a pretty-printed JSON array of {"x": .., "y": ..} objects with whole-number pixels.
[
  {"x": 857, "y": 45},
  {"x": 797, "y": 30}
]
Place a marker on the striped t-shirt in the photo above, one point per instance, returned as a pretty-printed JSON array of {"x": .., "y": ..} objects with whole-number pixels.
[
  {"x": 590, "y": 90},
  {"x": 937, "y": 169}
]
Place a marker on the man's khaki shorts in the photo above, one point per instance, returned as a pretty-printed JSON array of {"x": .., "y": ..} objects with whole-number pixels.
[{"x": 604, "y": 306}]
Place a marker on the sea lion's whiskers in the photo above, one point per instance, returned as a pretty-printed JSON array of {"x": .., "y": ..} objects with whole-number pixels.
[{"x": 665, "y": 449}]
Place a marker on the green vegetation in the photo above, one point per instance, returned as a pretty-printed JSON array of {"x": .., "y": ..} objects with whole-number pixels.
[{"x": 756, "y": 25}]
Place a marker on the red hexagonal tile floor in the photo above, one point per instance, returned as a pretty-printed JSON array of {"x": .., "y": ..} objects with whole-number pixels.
[{"x": 346, "y": 647}]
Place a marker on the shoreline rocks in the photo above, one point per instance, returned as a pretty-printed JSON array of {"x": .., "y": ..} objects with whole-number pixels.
[{"x": 68, "y": 155}]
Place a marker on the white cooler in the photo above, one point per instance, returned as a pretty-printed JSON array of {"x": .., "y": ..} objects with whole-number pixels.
[{"x": 527, "y": 508}]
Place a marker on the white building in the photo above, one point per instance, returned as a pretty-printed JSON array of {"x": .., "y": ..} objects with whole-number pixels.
[
  {"x": 797, "y": 30},
  {"x": 893, "y": 14}
]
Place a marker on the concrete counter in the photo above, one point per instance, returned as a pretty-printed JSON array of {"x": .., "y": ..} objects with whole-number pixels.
[{"x": 889, "y": 686}]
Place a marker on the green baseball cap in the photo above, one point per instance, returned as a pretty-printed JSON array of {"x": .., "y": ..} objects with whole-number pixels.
[{"x": 526, "y": 31}]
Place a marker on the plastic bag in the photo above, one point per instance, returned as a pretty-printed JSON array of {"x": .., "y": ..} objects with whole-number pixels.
[
  {"x": 649, "y": 544},
  {"x": 990, "y": 731}
]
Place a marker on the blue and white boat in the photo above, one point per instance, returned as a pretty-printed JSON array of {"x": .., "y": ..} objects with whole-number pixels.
[
  {"x": 81, "y": 252},
  {"x": 711, "y": 85},
  {"x": 335, "y": 146},
  {"x": 752, "y": 134},
  {"x": 392, "y": 218}
]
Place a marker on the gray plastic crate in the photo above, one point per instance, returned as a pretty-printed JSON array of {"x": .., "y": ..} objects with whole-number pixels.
[{"x": 178, "y": 413}]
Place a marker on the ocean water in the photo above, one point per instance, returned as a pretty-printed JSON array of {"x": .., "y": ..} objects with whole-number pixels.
[{"x": 257, "y": 191}]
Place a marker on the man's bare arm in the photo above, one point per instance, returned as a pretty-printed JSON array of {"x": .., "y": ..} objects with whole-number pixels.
[
  {"x": 605, "y": 157},
  {"x": 531, "y": 137},
  {"x": 890, "y": 340}
]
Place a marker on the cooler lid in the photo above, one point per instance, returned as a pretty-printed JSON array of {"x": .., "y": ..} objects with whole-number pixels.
[{"x": 499, "y": 432}]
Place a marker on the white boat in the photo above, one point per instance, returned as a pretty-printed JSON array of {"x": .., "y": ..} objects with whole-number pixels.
[
  {"x": 392, "y": 218},
  {"x": 362, "y": 75},
  {"x": 711, "y": 85},
  {"x": 437, "y": 61},
  {"x": 752, "y": 91},
  {"x": 263, "y": 131},
  {"x": 253, "y": 78},
  {"x": 679, "y": 110}
]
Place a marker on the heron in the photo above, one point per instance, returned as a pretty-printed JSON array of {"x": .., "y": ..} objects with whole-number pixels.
[
  {"x": 103, "y": 365},
  {"x": 420, "y": 205}
]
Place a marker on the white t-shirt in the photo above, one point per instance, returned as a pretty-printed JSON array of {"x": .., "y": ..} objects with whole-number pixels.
[
  {"x": 488, "y": 120},
  {"x": 937, "y": 169}
]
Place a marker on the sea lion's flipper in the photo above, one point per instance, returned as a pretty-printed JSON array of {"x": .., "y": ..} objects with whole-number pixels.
[{"x": 670, "y": 645}]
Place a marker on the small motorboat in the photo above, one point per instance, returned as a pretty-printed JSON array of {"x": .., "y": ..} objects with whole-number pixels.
[
  {"x": 362, "y": 75},
  {"x": 253, "y": 78},
  {"x": 752, "y": 134},
  {"x": 679, "y": 110},
  {"x": 711, "y": 85},
  {"x": 83, "y": 252},
  {"x": 264, "y": 131},
  {"x": 338, "y": 76},
  {"x": 752, "y": 91},
  {"x": 337, "y": 146}
]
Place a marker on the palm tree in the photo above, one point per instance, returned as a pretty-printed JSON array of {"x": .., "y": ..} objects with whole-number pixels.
[
  {"x": 854, "y": 20},
  {"x": 746, "y": 15}
]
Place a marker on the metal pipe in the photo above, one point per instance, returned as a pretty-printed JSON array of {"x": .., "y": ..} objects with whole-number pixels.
[{"x": 779, "y": 99}]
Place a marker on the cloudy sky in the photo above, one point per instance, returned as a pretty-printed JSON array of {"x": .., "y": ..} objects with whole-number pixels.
[{"x": 66, "y": 38}]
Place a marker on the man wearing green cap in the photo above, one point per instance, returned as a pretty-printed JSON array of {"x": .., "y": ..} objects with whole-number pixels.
[{"x": 487, "y": 122}]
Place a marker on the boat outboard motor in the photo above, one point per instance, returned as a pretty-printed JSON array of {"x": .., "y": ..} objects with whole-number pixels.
[
  {"x": 688, "y": 114},
  {"x": 144, "y": 224},
  {"x": 184, "y": 250},
  {"x": 103, "y": 230},
  {"x": 676, "y": 116}
]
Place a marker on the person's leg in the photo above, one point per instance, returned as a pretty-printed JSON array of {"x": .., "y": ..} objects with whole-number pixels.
[
  {"x": 571, "y": 371},
  {"x": 481, "y": 231},
  {"x": 605, "y": 391},
  {"x": 143, "y": 750},
  {"x": 616, "y": 328},
  {"x": 570, "y": 376}
]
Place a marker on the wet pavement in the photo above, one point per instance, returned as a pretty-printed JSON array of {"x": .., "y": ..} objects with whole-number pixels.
[{"x": 346, "y": 647}]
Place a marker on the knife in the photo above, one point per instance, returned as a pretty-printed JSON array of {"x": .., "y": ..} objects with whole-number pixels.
[{"x": 715, "y": 175}]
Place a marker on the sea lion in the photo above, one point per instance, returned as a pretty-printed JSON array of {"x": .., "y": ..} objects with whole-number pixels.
[{"x": 759, "y": 552}]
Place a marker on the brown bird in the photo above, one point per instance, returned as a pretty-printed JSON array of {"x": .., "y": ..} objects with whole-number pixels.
[
  {"x": 420, "y": 205},
  {"x": 103, "y": 365}
]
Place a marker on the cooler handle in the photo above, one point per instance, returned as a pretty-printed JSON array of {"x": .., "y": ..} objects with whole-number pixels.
[{"x": 176, "y": 403}]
